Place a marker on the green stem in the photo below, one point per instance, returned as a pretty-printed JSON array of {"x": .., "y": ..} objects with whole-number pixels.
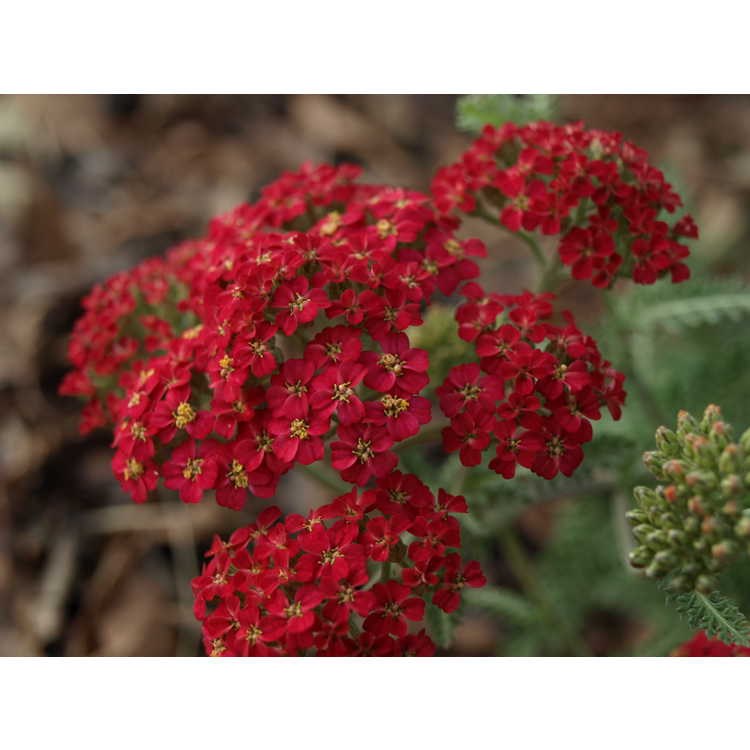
[
  {"x": 651, "y": 406},
  {"x": 482, "y": 212},
  {"x": 385, "y": 571},
  {"x": 523, "y": 571},
  {"x": 549, "y": 280}
]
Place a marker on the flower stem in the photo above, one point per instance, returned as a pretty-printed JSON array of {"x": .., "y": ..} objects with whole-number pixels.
[
  {"x": 482, "y": 212},
  {"x": 522, "y": 570},
  {"x": 649, "y": 402}
]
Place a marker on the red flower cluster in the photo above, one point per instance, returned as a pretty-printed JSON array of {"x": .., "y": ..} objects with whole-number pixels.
[
  {"x": 273, "y": 342},
  {"x": 592, "y": 187},
  {"x": 301, "y": 585},
  {"x": 701, "y": 645},
  {"x": 280, "y": 338},
  {"x": 533, "y": 391}
]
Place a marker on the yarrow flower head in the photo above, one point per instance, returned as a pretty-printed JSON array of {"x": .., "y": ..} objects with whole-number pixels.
[
  {"x": 533, "y": 390},
  {"x": 296, "y": 586},
  {"x": 597, "y": 192}
]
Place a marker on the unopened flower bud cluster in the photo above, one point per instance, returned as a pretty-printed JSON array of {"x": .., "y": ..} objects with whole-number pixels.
[{"x": 697, "y": 519}]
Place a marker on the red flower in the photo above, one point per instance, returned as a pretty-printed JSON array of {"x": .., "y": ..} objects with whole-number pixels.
[
  {"x": 448, "y": 596},
  {"x": 254, "y": 632},
  {"x": 468, "y": 433},
  {"x": 393, "y": 606},
  {"x": 298, "y": 438},
  {"x": 362, "y": 451},
  {"x": 381, "y": 534},
  {"x": 299, "y": 612},
  {"x": 398, "y": 366},
  {"x": 701, "y": 645},
  {"x": 289, "y": 391},
  {"x": 137, "y": 477},
  {"x": 466, "y": 388},
  {"x": 334, "y": 391},
  {"x": 401, "y": 415},
  {"x": 190, "y": 471},
  {"x": 549, "y": 450},
  {"x": 297, "y": 304}
]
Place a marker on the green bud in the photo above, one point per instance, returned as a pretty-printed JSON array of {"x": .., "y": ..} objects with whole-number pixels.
[
  {"x": 666, "y": 441},
  {"x": 641, "y": 531},
  {"x": 730, "y": 459},
  {"x": 691, "y": 525},
  {"x": 705, "y": 584},
  {"x": 640, "y": 557},
  {"x": 680, "y": 584},
  {"x": 656, "y": 539},
  {"x": 653, "y": 461},
  {"x": 644, "y": 496},
  {"x": 731, "y": 485},
  {"x": 676, "y": 537},
  {"x": 685, "y": 423},
  {"x": 703, "y": 478},
  {"x": 665, "y": 559},
  {"x": 742, "y": 528},
  {"x": 674, "y": 468},
  {"x": 654, "y": 570},
  {"x": 636, "y": 516},
  {"x": 723, "y": 550}
]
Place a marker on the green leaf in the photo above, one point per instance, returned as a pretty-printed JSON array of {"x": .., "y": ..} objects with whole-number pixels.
[
  {"x": 718, "y": 615},
  {"x": 675, "y": 315},
  {"x": 501, "y": 602},
  {"x": 439, "y": 625},
  {"x": 475, "y": 111}
]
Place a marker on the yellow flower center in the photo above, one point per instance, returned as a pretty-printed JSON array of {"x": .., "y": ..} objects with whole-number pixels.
[
  {"x": 392, "y": 363},
  {"x": 394, "y": 406},
  {"x": 470, "y": 392},
  {"x": 217, "y": 647},
  {"x": 385, "y": 228},
  {"x": 298, "y": 303},
  {"x": 342, "y": 392},
  {"x": 138, "y": 431},
  {"x": 293, "y": 610},
  {"x": 333, "y": 351},
  {"x": 331, "y": 224},
  {"x": 363, "y": 450},
  {"x": 453, "y": 247},
  {"x": 133, "y": 469},
  {"x": 299, "y": 429},
  {"x": 264, "y": 442},
  {"x": 329, "y": 556},
  {"x": 398, "y": 496},
  {"x": 237, "y": 475},
  {"x": 253, "y": 633},
  {"x": 193, "y": 468},
  {"x": 297, "y": 389},
  {"x": 183, "y": 415},
  {"x": 225, "y": 366}
]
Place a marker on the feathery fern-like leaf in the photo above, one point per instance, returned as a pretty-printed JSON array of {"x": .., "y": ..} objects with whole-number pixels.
[
  {"x": 475, "y": 111},
  {"x": 718, "y": 615}
]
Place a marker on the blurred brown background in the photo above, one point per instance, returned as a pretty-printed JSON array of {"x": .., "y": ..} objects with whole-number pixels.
[{"x": 93, "y": 184}]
